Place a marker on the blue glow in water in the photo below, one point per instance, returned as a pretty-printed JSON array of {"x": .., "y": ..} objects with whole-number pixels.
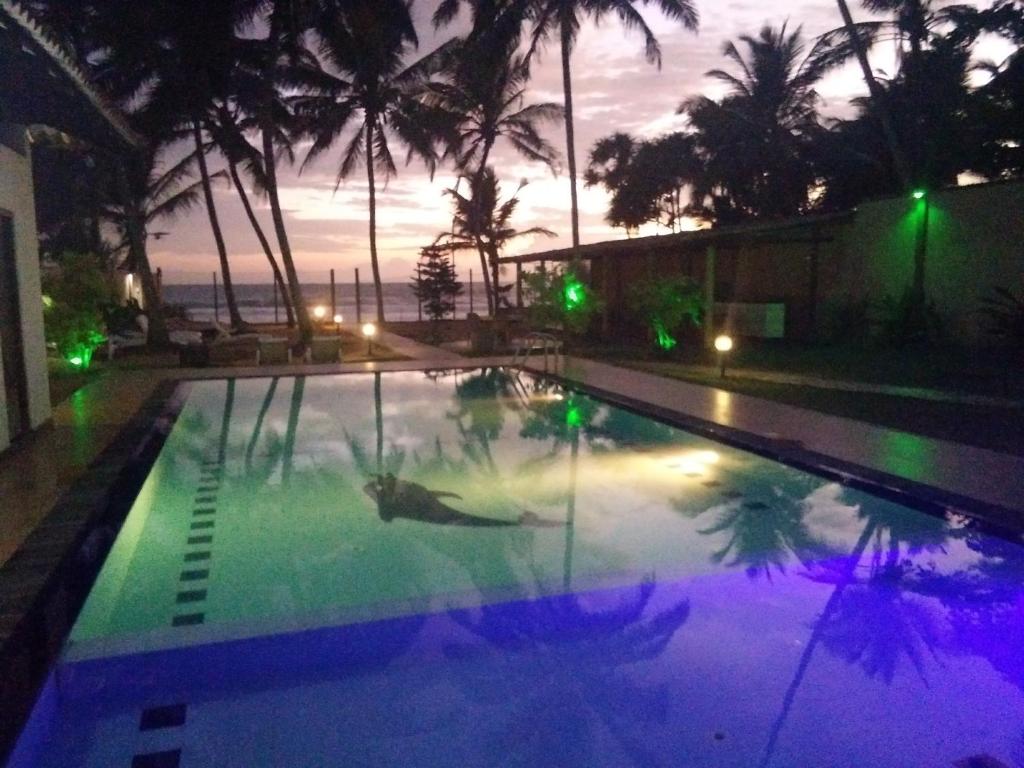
[{"x": 705, "y": 606}]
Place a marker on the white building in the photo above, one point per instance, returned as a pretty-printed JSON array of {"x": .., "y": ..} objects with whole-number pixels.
[{"x": 39, "y": 87}]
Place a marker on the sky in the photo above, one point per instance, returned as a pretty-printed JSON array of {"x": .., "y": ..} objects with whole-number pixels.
[{"x": 614, "y": 89}]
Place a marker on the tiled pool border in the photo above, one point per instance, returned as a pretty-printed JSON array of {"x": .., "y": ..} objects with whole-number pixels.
[{"x": 44, "y": 584}]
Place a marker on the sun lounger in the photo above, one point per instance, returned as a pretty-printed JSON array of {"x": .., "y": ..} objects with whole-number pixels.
[
  {"x": 273, "y": 350},
  {"x": 324, "y": 349}
]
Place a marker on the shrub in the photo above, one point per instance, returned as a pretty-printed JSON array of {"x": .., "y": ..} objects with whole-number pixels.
[
  {"x": 560, "y": 298},
  {"x": 665, "y": 304},
  {"x": 79, "y": 293},
  {"x": 1005, "y": 314},
  {"x": 909, "y": 319}
]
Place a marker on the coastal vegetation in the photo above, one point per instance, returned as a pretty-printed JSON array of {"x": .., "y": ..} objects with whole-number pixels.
[{"x": 233, "y": 93}]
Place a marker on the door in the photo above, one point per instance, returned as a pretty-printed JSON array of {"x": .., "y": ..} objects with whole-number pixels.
[{"x": 12, "y": 351}]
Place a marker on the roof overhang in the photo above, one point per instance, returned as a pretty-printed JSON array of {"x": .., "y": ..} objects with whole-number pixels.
[
  {"x": 804, "y": 229},
  {"x": 42, "y": 85}
]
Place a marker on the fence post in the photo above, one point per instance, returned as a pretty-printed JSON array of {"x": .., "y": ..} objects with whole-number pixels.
[
  {"x": 471, "y": 290},
  {"x": 216, "y": 302},
  {"x": 359, "y": 301},
  {"x": 334, "y": 299},
  {"x": 274, "y": 283},
  {"x": 419, "y": 301}
]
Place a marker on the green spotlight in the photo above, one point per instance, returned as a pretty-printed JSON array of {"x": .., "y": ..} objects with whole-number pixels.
[
  {"x": 919, "y": 194},
  {"x": 574, "y": 293},
  {"x": 573, "y": 416}
]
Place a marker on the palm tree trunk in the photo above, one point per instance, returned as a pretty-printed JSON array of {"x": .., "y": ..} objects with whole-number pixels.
[
  {"x": 295, "y": 287},
  {"x": 490, "y": 289},
  {"x": 878, "y": 99},
  {"x": 815, "y": 638},
  {"x": 570, "y": 134},
  {"x": 494, "y": 277},
  {"x": 157, "y": 334},
  {"x": 211, "y": 209},
  {"x": 264, "y": 243},
  {"x": 377, "y": 286}
]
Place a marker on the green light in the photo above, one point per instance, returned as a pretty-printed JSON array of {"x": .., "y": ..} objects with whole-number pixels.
[
  {"x": 919, "y": 194},
  {"x": 573, "y": 416},
  {"x": 80, "y": 355},
  {"x": 574, "y": 293},
  {"x": 664, "y": 339}
]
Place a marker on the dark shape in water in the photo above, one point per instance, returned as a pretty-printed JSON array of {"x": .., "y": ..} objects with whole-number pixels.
[{"x": 399, "y": 498}]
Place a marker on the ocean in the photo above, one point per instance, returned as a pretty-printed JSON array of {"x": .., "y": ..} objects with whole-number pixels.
[{"x": 256, "y": 301}]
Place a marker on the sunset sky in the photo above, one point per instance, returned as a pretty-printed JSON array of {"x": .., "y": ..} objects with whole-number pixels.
[{"x": 614, "y": 90}]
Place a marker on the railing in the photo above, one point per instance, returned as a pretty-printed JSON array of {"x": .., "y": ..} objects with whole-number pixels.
[{"x": 547, "y": 343}]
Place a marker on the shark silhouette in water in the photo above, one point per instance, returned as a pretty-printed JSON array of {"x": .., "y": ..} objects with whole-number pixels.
[{"x": 399, "y": 498}]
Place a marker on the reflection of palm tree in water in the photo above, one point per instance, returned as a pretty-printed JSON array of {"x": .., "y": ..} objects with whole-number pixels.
[
  {"x": 873, "y": 629},
  {"x": 575, "y": 655},
  {"x": 763, "y": 537}
]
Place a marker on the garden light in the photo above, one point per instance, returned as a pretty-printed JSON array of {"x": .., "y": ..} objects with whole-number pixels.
[
  {"x": 919, "y": 194},
  {"x": 338, "y": 319},
  {"x": 369, "y": 331},
  {"x": 723, "y": 345},
  {"x": 319, "y": 311}
]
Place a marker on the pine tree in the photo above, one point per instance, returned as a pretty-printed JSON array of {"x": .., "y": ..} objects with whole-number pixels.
[{"x": 435, "y": 284}]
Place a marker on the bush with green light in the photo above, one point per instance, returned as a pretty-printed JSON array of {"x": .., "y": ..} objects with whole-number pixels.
[
  {"x": 73, "y": 314},
  {"x": 560, "y": 298},
  {"x": 665, "y": 305}
]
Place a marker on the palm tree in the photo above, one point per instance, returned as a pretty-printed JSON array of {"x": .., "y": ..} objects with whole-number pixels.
[
  {"x": 172, "y": 65},
  {"x": 878, "y": 97},
  {"x": 483, "y": 221},
  {"x": 485, "y": 100},
  {"x": 146, "y": 193},
  {"x": 367, "y": 43},
  {"x": 564, "y": 18},
  {"x": 266, "y": 69},
  {"x": 229, "y": 137},
  {"x": 756, "y": 142}
]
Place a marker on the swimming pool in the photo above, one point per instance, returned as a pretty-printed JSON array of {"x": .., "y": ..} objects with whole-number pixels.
[{"x": 472, "y": 568}]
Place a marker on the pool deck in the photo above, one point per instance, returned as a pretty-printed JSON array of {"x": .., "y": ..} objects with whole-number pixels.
[{"x": 46, "y": 465}]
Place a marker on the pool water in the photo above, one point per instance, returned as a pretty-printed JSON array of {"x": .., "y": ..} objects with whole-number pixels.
[{"x": 478, "y": 568}]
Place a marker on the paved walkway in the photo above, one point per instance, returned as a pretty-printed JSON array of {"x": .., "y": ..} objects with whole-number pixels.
[{"x": 977, "y": 473}]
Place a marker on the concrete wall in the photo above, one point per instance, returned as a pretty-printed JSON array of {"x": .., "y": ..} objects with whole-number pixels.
[
  {"x": 975, "y": 243},
  {"x": 16, "y": 198}
]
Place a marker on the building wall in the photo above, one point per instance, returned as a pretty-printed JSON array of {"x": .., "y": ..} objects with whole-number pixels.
[
  {"x": 16, "y": 197},
  {"x": 975, "y": 243}
]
